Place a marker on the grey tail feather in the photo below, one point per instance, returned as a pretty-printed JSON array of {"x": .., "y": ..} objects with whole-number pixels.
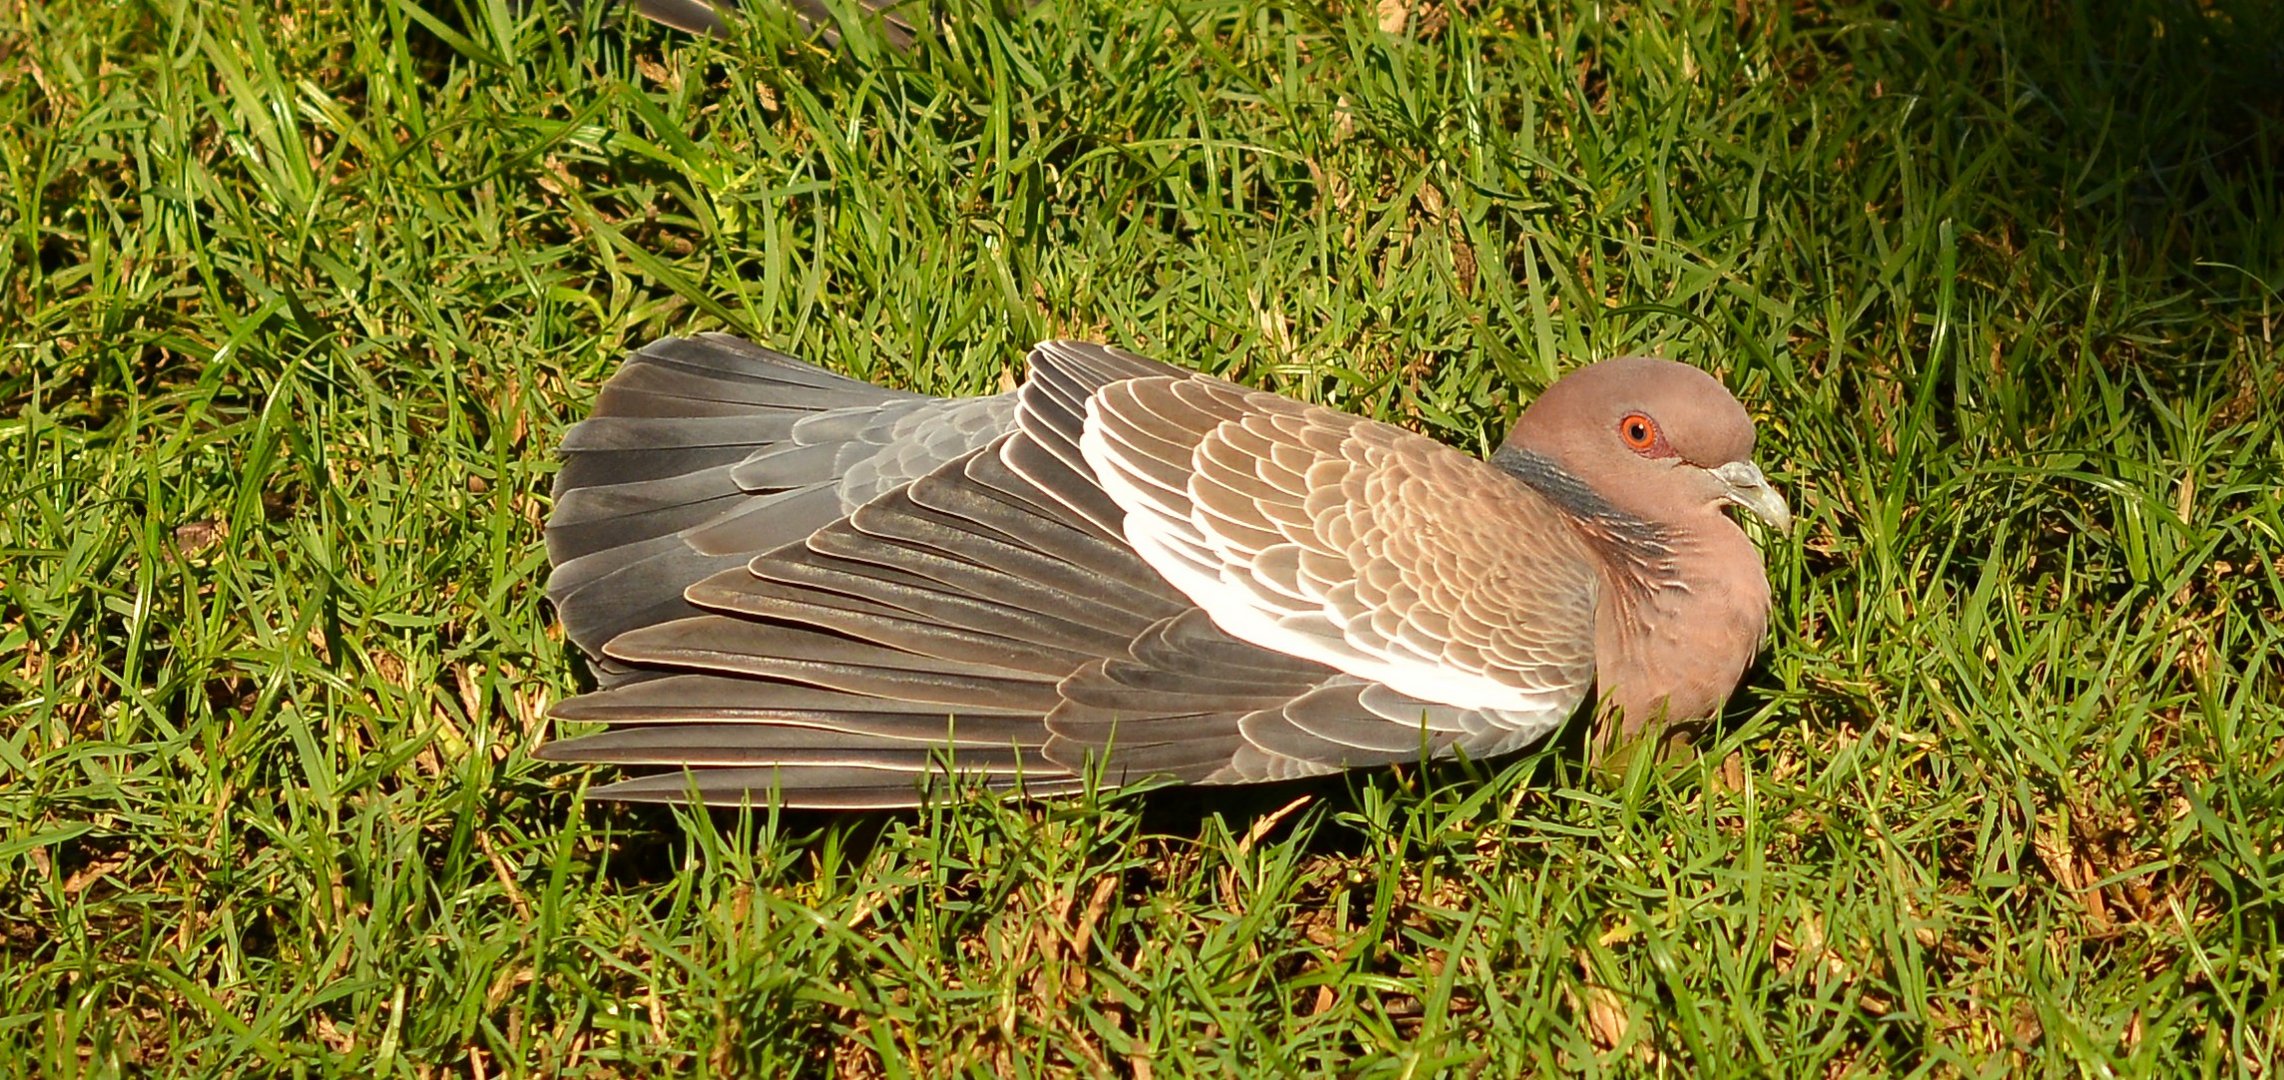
[
  {"x": 939, "y": 616},
  {"x": 606, "y": 594},
  {"x": 682, "y": 405},
  {"x": 658, "y": 459},
  {"x": 831, "y": 671}
]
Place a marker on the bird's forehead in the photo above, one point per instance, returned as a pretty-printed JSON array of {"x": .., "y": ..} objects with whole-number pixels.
[{"x": 1700, "y": 418}]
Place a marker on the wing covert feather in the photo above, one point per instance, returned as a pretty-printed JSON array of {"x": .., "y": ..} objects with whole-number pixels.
[{"x": 1375, "y": 551}]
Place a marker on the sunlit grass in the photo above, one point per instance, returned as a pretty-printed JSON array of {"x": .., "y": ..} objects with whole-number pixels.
[{"x": 297, "y": 301}]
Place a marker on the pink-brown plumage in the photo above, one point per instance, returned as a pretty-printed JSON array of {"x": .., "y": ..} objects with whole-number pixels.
[{"x": 1687, "y": 604}]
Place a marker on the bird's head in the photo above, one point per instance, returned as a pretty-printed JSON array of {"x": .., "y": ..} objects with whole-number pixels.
[
  {"x": 1645, "y": 455},
  {"x": 1658, "y": 440}
]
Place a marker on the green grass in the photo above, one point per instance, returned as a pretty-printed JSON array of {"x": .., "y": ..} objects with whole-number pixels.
[{"x": 296, "y": 298}]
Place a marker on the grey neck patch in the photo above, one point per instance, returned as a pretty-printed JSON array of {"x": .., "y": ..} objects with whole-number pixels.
[{"x": 1644, "y": 548}]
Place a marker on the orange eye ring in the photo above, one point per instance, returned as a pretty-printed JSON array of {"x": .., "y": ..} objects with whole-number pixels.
[{"x": 1640, "y": 433}]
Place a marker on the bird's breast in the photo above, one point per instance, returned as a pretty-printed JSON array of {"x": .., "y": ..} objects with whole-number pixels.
[{"x": 1682, "y": 646}]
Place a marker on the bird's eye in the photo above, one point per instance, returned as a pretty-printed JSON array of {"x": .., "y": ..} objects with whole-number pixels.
[{"x": 1639, "y": 431}]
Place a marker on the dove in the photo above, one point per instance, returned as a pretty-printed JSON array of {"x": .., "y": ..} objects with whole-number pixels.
[{"x": 802, "y": 588}]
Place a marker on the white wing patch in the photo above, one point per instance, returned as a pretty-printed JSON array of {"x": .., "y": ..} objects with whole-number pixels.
[{"x": 1251, "y": 523}]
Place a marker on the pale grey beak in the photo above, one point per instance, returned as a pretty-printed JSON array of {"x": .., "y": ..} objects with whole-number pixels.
[{"x": 1744, "y": 485}]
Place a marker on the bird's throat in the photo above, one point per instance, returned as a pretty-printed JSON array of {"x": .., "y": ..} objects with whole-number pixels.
[
  {"x": 1684, "y": 604},
  {"x": 1671, "y": 653}
]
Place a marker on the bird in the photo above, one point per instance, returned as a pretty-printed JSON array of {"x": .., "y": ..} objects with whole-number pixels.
[{"x": 798, "y": 587}]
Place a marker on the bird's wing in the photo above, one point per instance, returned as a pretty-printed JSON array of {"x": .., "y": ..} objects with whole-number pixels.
[
  {"x": 1372, "y": 550},
  {"x": 994, "y": 610},
  {"x": 938, "y": 617}
]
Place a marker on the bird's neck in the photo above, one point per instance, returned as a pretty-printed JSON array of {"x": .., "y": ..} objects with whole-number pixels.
[
  {"x": 1684, "y": 602},
  {"x": 1670, "y": 649}
]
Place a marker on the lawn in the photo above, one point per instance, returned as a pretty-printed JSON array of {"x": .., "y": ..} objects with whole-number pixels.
[{"x": 296, "y": 299}]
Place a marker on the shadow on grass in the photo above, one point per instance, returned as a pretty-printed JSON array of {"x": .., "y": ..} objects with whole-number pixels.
[
  {"x": 2146, "y": 117},
  {"x": 1341, "y": 816}
]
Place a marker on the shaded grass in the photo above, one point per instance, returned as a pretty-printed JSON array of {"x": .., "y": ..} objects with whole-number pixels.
[{"x": 297, "y": 303}]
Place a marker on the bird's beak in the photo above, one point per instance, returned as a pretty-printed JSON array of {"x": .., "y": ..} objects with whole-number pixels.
[{"x": 1743, "y": 484}]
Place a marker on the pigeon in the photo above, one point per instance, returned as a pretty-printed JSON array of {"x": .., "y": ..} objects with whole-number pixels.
[{"x": 802, "y": 588}]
